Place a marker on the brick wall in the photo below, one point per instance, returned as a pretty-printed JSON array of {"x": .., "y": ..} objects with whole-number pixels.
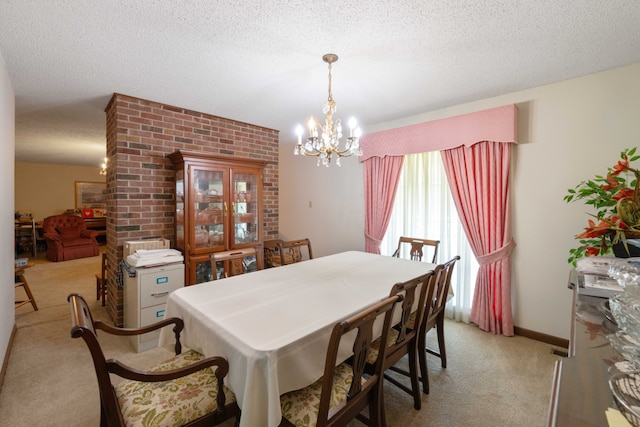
[{"x": 140, "y": 179}]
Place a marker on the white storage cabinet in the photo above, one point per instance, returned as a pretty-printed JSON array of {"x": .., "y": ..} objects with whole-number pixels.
[{"x": 145, "y": 296}]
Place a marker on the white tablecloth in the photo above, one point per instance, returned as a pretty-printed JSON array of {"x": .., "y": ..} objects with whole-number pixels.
[{"x": 273, "y": 325}]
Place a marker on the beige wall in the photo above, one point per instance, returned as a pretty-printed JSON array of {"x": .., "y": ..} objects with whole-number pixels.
[
  {"x": 48, "y": 189},
  {"x": 324, "y": 204},
  {"x": 569, "y": 131},
  {"x": 7, "y": 154}
]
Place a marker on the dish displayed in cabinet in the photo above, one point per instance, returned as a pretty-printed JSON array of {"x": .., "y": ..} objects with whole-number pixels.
[
  {"x": 209, "y": 216},
  {"x": 244, "y": 218}
]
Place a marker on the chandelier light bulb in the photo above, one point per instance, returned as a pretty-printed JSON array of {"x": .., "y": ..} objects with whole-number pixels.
[
  {"x": 299, "y": 133},
  {"x": 352, "y": 124}
]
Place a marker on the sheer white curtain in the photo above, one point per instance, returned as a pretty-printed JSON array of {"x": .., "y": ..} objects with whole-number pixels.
[{"x": 424, "y": 208}]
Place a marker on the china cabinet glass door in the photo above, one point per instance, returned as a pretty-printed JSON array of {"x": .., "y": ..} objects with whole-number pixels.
[
  {"x": 209, "y": 209},
  {"x": 246, "y": 196},
  {"x": 180, "y": 209}
]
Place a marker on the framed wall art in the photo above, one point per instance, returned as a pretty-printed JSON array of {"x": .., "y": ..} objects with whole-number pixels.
[{"x": 91, "y": 195}]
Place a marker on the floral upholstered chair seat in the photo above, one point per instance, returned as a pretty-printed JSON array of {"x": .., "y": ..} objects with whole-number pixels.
[
  {"x": 300, "y": 407},
  {"x": 372, "y": 354},
  {"x": 170, "y": 403}
]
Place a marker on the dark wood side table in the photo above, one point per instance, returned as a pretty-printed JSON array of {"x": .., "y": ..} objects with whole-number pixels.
[{"x": 21, "y": 281}]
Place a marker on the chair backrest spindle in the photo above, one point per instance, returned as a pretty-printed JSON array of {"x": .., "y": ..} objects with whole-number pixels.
[{"x": 417, "y": 246}]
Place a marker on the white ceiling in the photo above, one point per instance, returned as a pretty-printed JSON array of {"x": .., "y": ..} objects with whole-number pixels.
[{"x": 260, "y": 61}]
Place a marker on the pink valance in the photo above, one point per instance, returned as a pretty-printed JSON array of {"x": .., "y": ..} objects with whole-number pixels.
[{"x": 497, "y": 124}]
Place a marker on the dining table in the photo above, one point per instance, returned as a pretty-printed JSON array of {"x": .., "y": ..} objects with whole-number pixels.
[{"x": 273, "y": 325}]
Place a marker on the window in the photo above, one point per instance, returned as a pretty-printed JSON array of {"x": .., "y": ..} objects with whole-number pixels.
[{"x": 424, "y": 208}]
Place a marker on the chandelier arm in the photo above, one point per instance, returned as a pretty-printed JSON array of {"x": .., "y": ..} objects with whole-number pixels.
[
  {"x": 310, "y": 153},
  {"x": 349, "y": 145},
  {"x": 342, "y": 153}
]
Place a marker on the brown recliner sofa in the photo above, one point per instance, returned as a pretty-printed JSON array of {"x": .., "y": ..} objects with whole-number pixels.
[{"x": 67, "y": 238}]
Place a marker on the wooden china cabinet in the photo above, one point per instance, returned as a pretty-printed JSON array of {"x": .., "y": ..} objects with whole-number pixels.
[{"x": 218, "y": 208}]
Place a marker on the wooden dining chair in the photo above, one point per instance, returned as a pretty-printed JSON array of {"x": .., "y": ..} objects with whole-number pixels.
[
  {"x": 403, "y": 337},
  {"x": 101, "y": 280},
  {"x": 417, "y": 248},
  {"x": 271, "y": 253},
  {"x": 344, "y": 390},
  {"x": 293, "y": 251},
  {"x": 189, "y": 381},
  {"x": 435, "y": 319},
  {"x": 235, "y": 262}
]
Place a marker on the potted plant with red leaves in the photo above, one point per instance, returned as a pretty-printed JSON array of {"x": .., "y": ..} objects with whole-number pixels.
[{"x": 616, "y": 200}]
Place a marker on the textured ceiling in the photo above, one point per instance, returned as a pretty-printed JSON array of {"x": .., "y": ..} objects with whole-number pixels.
[{"x": 260, "y": 61}]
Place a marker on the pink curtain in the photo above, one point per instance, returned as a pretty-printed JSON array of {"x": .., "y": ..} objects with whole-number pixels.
[
  {"x": 381, "y": 175},
  {"x": 479, "y": 180}
]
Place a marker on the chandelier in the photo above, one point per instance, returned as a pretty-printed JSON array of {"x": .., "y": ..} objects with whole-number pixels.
[
  {"x": 324, "y": 141},
  {"x": 103, "y": 167}
]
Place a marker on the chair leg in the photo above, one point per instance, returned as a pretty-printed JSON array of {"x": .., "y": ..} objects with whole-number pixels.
[
  {"x": 101, "y": 290},
  {"x": 422, "y": 358},
  {"x": 443, "y": 352},
  {"x": 103, "y": 417},
  {"x": 377, "y": 416},
  {"x": 415, "y": 384},
  {"x": 412, "y": 373},
  {"x": 104, "y": 291},
  {"x": 29, "y": 294}
]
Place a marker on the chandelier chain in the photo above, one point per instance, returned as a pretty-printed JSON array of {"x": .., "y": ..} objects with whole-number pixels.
[{"x": 330, "y": 94}]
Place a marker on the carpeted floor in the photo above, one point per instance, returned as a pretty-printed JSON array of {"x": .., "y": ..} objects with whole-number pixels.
[{"x": 490, "y": 380}]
